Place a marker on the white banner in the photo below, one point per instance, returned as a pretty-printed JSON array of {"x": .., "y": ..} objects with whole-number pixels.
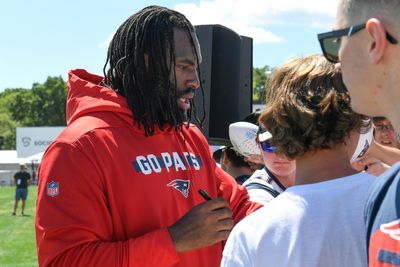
[{"x": 33, "y": 140}]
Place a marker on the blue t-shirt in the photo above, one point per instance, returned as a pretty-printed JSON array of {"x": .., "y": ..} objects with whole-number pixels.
[{"x": 382, "y": 215}]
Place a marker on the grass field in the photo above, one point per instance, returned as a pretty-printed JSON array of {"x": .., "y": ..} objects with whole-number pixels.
[{"x": 17, "y": 233}]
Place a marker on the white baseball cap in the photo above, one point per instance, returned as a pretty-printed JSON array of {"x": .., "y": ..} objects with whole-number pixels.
[{"x": 243, "y": 138}]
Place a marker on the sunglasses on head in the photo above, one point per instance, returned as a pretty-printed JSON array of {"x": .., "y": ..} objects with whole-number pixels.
[
  {"x": 330, "y": 41},
  {"x": 266, "y": 146}
]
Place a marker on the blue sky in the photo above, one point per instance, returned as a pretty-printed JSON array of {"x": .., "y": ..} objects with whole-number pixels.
[{"x": 43, "y": 38}]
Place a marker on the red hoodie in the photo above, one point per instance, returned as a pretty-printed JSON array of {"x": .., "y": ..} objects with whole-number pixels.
[{"x": 107, "y": 193}]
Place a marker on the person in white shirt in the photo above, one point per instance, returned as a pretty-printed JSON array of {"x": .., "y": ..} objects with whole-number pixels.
[{"x": 319, "y": 220}]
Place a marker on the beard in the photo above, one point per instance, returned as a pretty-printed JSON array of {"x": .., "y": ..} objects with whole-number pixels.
[
  {"x": 181, "y": 92},
  {"x": 183, "y": 112}
]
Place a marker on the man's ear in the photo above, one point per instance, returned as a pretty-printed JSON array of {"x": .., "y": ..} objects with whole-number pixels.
[
  {"x": 224, "y": 158},
  {"x": 377, "y": 32}
]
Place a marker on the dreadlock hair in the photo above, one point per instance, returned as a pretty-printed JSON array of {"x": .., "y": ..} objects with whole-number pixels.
[{"x": 141, "y": 62}]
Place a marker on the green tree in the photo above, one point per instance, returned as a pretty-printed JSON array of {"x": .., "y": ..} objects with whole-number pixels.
[
  {"x": 7, "y": 124},
  {"x": 48, "y": 103},
  {"x": 7, "y": 132},
  {"x": 18, "y": 104},
  {"x": 260, "y": 77},
  {"x": 43, "y": 105}
]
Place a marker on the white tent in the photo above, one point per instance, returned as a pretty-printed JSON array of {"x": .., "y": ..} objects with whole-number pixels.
[
  {"x": 10, "y": 157},
  {"x": 37, "y": 158}
]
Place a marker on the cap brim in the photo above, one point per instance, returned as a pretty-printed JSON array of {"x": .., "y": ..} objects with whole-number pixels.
[{"x": 264, "y": 136}]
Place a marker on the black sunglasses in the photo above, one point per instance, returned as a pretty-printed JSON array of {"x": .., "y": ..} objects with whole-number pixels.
[{"x": 330, "y": 41}]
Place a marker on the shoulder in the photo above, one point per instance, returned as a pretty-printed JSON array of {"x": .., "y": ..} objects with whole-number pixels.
[
  {"x": 193, "y": 130},
  {"x": 241, "y": 245},
  {"x": 193, "y": 133},
  {"x": 259, "y": 176},
  {"x": 268, "y": 217},
  {"x": 383, "y": 196},
  {"x": 98, "y": 121},
  {"x": 260, "y": 229},
  {"x": 248, "y": 230},
  {"x": 251, "y": 223}
]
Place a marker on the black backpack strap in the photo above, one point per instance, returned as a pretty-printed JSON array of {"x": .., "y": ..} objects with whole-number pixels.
[{"x": 270, "y": 190}]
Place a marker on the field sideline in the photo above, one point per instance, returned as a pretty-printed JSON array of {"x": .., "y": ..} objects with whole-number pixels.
[{"x": 17, "y": 242}]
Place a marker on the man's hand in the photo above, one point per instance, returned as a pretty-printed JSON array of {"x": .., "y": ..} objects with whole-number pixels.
[
  {"x": 371, "y": 165},
  {"x": 205, "y": 224},
  {"x": 375, "y": 166}
]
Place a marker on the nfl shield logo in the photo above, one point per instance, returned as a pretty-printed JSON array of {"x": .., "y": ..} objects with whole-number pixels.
[{"x": 52, "y": 189}]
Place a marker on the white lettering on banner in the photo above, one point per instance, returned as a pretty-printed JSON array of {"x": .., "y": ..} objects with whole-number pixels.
[
  {"x": 32, "y": 141},
  {"x": 42, "y": 143}
]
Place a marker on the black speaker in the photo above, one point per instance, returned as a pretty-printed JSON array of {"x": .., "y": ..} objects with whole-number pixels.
[{"x": 226, "y": 77}]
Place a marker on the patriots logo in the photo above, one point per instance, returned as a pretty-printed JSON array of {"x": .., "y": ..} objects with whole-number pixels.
[{"x": 181, "y": 185}]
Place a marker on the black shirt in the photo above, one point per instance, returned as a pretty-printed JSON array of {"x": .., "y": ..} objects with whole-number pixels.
[{"x": 21, "y": 179}]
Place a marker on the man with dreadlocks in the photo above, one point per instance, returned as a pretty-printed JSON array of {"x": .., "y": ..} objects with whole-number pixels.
[{"x": 119, "y": 187}]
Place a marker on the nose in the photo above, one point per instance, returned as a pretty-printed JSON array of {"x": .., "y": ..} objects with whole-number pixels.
[
  {"x": 386, "y": 129},
  {"x": 281, "y": 157},
  {"x": 385, "y": 132},
  {"x": 193, "y": 80}
]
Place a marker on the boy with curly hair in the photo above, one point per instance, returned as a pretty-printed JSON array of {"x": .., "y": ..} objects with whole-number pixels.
[{"x": 319, "y": 220}]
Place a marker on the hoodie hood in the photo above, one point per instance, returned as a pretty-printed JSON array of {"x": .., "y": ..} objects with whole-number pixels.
[{"x": 86, "y": 95}]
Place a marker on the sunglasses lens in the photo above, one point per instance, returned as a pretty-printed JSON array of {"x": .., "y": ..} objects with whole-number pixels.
[
  {"x": 331, "y": 49},
  {"x": 266, "y": 146}
]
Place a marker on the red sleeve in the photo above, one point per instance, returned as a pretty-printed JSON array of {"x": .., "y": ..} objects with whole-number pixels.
[
  {"x": 74, "y": 226},
  {"x": 236, "y": 195}
]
